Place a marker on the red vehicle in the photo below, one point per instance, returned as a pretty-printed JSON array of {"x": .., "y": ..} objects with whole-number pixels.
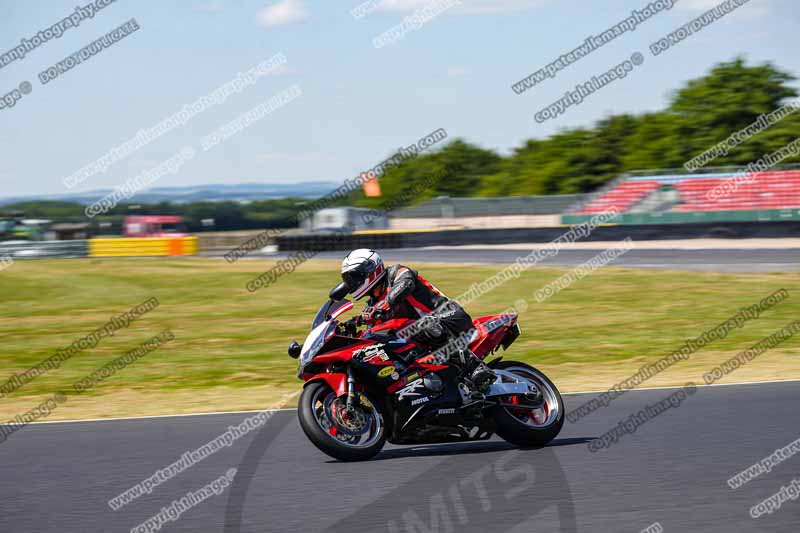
[
  {"x": 153, "y": 226},
  {"x": 363, "y": 388}
]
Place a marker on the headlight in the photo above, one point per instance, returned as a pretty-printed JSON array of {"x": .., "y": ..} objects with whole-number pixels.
[{"x": 314, "y": 342}]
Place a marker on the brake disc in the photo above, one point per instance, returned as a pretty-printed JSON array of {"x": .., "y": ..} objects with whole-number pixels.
[{"x": 355, "y": 424}]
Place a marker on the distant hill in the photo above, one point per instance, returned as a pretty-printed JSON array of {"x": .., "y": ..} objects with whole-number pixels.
[{"x": 244, "y": 192}]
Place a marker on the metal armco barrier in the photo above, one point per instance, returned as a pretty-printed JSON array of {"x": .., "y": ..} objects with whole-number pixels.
[
  {"x": 44, "y": 249},
  {"x": 146, "y": 246}
]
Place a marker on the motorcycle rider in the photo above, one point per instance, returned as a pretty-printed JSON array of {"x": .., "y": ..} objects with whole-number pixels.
[{"x": 399, "y": 292}]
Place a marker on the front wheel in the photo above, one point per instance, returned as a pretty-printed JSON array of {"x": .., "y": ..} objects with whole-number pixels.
[
  {"x": 348, "y": 436},
  {"x": 532, "y": 423}
]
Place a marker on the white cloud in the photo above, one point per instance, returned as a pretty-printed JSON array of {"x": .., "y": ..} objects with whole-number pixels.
[
  {"x": 467, "y": 7},
  {"x": 282, "y": 13}
]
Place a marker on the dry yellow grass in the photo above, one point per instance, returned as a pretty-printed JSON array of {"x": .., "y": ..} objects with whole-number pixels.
[{"x": 229, "y": 348}]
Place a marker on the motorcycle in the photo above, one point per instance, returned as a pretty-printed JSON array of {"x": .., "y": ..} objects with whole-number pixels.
[{"x": 364, "y": 387}]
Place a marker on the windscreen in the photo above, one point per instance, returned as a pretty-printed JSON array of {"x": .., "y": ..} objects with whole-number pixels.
[{"x": 327, "y": 309}]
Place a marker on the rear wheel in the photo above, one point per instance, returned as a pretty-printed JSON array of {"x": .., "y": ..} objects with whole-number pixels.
[
  {"x": 348, "y": 436},
  {"x": 531, "y": 421}
]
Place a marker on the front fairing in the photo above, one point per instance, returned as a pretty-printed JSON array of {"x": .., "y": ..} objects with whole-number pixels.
[
  {"x": 314, "y": 342},
  {"x": 323, "y": 328}
]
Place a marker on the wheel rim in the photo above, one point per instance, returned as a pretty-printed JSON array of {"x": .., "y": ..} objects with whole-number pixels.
[
  {"x": 536, "y": 417},
  {"x": 360, "y": 429}
]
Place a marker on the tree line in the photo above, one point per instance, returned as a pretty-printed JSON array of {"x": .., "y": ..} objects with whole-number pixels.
[{"x": 705, "y": 111}]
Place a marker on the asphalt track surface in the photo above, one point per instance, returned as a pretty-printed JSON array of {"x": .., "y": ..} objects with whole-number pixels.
[
  {"x": 720, "y": 260},
  {"x": 58, "y": 477}
]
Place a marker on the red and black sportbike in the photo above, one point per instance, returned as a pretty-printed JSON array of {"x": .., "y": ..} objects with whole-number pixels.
[{"x": 363, "y": 388}]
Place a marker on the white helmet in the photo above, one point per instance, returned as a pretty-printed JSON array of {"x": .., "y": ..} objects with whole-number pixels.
[{"x": 361, "y": 270}]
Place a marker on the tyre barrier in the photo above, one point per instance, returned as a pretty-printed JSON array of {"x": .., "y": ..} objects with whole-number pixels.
[
  {"x": 645, "y": 232},
  {"x": 327, "y": 242},
  {"x": 142, "y": 247}
]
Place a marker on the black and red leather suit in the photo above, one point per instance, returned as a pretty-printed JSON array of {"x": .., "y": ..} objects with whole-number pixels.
[{"x": 406, "y": 294}]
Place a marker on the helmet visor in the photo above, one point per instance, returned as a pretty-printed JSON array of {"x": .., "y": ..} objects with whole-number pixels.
[{"x": 354, "y": 278}]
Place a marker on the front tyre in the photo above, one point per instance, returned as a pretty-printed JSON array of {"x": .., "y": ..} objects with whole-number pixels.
[
  {"x": 530, "y": 424},
  {"x": 355, "y": 436}
]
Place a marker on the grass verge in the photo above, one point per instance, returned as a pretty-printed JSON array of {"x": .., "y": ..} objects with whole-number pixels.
[{"x": 229, "y": 350}]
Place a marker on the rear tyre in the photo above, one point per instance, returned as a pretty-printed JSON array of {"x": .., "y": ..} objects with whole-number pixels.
[
  {"x": 355, "y": 439},
  {"x": 525, "y": 426}
]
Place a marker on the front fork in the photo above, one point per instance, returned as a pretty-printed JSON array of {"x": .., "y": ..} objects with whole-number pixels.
[{"x": 351, "y": 389}]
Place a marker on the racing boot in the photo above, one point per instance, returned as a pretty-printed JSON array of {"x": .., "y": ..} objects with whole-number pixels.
[{"x": 477, "y": 373}]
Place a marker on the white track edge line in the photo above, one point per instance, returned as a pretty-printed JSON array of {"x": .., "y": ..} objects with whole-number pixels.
[{"x": 294, "y": 409}]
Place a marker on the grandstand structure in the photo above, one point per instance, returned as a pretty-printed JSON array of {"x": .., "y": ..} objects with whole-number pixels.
[{"x": 714, "y": 195}]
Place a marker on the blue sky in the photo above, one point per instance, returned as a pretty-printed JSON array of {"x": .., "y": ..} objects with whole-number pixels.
[{"x": 359, "y": 103}]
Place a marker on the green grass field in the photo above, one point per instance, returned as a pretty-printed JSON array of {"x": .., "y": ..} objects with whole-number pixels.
[{"x": 229, "y": 350}]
